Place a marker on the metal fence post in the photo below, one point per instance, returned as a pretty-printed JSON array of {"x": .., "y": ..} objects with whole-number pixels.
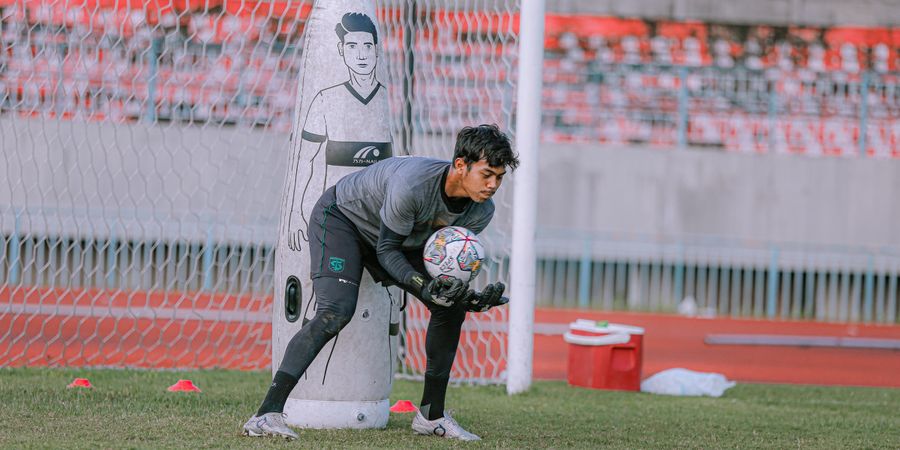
[
  {"x": 863, "y": 112},
  {"x": 679, "y": 275},
  {"x": 208, "y": 260},
  {"x": 868, "y": 290},
  {"x": 112, "y": 256},
  {"x": 59, "y": 94},
  {"x": 14, "y": 258},
  {"x": 152, "y": 77},
  {"x": 772, "y": 113},
  {"x": 772, "y": 296},
  {"x": 682, "y": 107},
  {"x": 584, "y": 277}
]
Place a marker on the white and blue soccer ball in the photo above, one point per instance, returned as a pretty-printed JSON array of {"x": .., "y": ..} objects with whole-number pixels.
[{"x": 454, "y": 251}]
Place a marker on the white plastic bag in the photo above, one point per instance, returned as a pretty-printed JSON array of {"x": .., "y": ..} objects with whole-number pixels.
[{"x": 687, "y": 383}]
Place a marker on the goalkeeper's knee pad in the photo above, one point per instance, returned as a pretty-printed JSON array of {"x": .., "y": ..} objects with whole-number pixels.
[{"x": 335, "y": 303}]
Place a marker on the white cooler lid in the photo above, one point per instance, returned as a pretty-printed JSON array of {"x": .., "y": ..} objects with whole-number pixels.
[{"x": 593, "y": 326}]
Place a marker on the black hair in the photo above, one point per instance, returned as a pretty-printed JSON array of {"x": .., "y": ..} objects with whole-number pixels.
[
  {"x": 485, "y": 142},
  {"x": 356, "y": 22}
]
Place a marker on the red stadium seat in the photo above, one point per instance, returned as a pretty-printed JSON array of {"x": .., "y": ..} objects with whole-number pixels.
[{"x": 592, "y": 91}]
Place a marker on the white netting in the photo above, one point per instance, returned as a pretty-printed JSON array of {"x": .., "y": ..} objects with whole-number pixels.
[
  {"x": 144, "y": 145},
  {"x": 456, "y": 70}
]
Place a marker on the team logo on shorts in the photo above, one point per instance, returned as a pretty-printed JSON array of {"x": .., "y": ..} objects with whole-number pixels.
[{"x": 336, "y": 264}]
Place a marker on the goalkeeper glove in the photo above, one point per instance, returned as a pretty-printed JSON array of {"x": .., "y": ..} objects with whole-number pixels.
[
  {"x": 491, "y": 296},
  {"x": 443, "y": 291}
]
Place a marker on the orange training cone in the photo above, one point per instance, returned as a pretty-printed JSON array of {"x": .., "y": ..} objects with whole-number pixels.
[
  {"x": 80, "y": 383},
  {"x": 184, "y": 386},
  {"x": 403, "y": 406}
]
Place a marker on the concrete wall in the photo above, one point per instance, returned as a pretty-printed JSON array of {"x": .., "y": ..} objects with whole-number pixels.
[
  {"x": 775, "y": 12},
  {"x": 762, "y": 198},
  {"x": 139, "y": 182},
  {"x": 74, "y": 178}
]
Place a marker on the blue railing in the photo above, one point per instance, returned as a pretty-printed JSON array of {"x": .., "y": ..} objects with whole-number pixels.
[
  {"x": 705, "y": 275},
  {"x": 695, "y": 275}
]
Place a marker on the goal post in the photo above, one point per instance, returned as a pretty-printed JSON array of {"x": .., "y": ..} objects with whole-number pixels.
[{"x": 522, "y": 257}]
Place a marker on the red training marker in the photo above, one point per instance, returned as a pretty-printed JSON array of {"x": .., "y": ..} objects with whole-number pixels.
[
  {"x": 184, "y": 386},
  {"x": 403, "y": 406},
  {"x": 80, "y": 383}
]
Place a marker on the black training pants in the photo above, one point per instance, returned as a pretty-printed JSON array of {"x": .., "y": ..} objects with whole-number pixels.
[{"x": 338, "y": 255}]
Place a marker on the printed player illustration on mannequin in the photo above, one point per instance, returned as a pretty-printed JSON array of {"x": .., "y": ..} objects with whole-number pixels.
[
  {"x": 347, "y": 119},
  {"x": 343, "y": 127}
]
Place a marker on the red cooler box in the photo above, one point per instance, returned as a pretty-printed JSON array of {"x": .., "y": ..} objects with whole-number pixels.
[{"x": 605, "y": 356}]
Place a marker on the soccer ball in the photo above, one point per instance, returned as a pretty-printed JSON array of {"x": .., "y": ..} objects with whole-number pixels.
[{"x": 455, "y": 252}]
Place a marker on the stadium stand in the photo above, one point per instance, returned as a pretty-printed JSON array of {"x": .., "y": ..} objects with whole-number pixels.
[{"x": 752, "y": 88}]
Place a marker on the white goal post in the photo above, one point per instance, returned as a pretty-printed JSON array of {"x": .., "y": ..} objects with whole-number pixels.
[{"x": 523, "y": 259}]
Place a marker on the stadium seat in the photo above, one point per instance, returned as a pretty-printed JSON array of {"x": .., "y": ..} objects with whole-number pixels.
[{"x": 595, "y": 68}]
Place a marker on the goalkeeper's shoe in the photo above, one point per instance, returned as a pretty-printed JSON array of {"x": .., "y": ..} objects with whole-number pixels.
[
  {"x": 269, "y": 424},
  {"x": 444, "y": 427}
]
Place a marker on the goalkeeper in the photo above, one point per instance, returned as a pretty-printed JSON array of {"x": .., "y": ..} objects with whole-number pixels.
[{"x": 379, "y": 218}]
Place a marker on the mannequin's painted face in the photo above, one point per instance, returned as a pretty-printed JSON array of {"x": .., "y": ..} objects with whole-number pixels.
[{"x": 359, "y": 52}]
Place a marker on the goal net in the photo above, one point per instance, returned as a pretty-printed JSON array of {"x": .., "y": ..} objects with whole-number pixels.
[{"x": 144, "y": 148}]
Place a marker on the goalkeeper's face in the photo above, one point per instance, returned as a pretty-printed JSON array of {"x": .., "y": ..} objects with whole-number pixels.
[
  {"x": 480, "y": 180},
  {"x": 359, "y": 52}
]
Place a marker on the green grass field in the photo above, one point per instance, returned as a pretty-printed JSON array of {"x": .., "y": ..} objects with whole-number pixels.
[{"x": 132, "y": 409}]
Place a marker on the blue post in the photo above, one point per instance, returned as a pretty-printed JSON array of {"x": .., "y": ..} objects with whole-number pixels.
[
  {"x": 111, "y": 261},
  {"x": 772, "y": 114},
  {"x": 679, "y": 275},
  {"x": 584, "y": 277},
  {"x": 14, "y": 258},
  {"x": 58, "y": 95},
  {"x": 772, "y": 297},
  {"x": 208, "y": 253},
  {"x": 682, "y": 107},
  {"x": 153, "y": 63},
  {"x": 869, "y": 288},
  {"x": 863, "y": 112}
]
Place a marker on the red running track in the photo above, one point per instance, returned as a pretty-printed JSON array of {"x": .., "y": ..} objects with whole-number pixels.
[
  {"x": 47, "y": 327},
  {"x": 93, "y": 327}
]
